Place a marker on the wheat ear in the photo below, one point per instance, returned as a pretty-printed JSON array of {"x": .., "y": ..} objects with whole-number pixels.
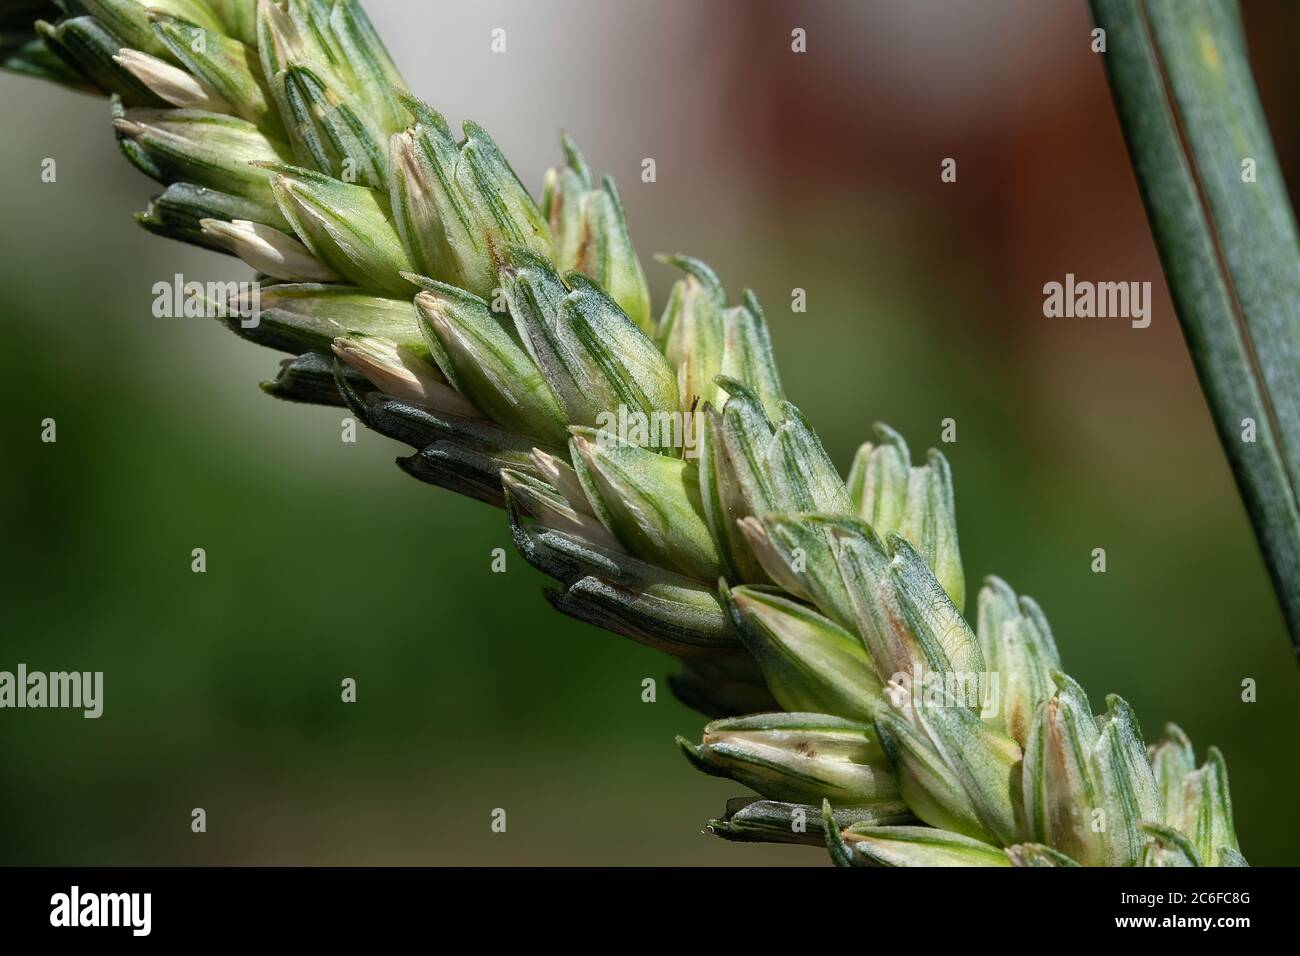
[{"x": 284, "y": 134}]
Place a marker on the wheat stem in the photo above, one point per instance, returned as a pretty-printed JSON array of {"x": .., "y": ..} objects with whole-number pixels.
[{"x": 1223, "y": 225}]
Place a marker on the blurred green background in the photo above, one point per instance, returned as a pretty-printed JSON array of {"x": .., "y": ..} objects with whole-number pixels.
[{"x": 324, "y": 561}]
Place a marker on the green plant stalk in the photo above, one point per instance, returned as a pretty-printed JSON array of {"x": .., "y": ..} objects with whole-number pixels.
[
  {"x": 1182, "y": 84},
  {"x": 413, "y": 279}
]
